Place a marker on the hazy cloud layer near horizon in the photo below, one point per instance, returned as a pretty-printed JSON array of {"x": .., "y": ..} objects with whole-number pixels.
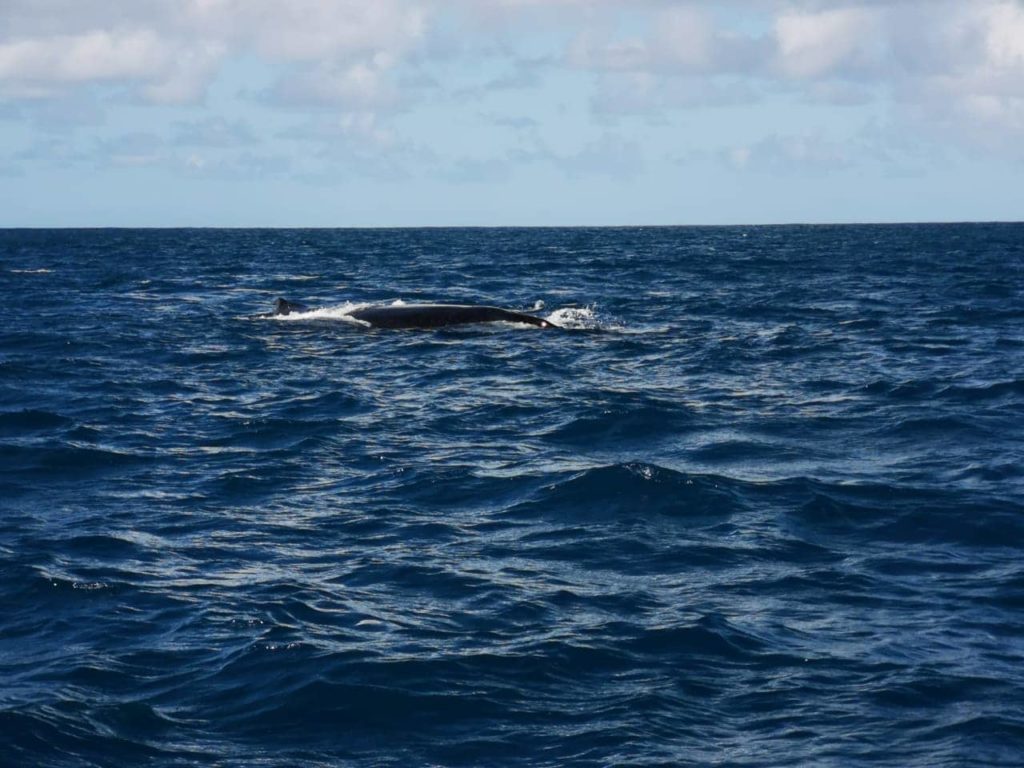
[{"x": 343, "y": 112}]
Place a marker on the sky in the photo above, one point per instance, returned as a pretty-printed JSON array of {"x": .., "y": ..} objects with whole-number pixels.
[{"x": 342, "y": 113}]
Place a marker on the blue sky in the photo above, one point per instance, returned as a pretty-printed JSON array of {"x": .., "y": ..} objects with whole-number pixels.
[{"x": 509, "y": 112}]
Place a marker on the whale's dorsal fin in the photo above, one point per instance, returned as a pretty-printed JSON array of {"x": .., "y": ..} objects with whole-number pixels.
[{"x": 285, "y": 307}]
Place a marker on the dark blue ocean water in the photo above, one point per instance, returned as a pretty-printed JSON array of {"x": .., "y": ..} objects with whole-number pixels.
[{"x": 761, "y": 504}]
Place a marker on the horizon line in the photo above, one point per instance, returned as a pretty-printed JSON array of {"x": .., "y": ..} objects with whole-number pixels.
[{"x": 357, "y": 227}]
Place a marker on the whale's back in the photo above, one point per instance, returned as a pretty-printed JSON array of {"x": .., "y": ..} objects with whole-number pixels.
[{"x": 442, "y": 315}]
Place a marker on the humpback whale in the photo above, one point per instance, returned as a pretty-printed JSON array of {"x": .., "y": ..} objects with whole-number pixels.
[{"x": 403, "y": 316}]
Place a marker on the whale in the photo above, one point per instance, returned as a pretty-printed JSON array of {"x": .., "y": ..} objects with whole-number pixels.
[{"x": 409, "y": 316}]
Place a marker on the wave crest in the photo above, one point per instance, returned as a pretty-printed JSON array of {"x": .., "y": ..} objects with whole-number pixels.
[{"x": 637, "y": 489}]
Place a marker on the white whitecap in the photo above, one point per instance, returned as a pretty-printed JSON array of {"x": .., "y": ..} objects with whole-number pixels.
[
  {"x": 576, "y": 318},
  {"x": 342, "y": 312}
]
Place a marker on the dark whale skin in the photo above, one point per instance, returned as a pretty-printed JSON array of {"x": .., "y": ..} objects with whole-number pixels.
[{"x": 404, "y": 316}]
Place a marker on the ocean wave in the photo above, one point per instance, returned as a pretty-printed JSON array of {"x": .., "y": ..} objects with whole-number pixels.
[
  {"x": 67, "y": 461},
  {"x": 738, "y": 450},
  {"x": 904, "y": 514},
  {"x": 636, "y": 489},
  {"x": 1009, "y": 390},
  {"x": 16, "y": 422},
  {"x": 622, "y": 423},
  {"x": 924, "y": 426}
]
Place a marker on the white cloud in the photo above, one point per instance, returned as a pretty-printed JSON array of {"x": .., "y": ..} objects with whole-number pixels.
[
  {"x": 951, "y": 65},
  {"x": 806, "y": 155},
  {"x": 824, "y": 43},
  {"x": 132, "y": 150},
  {"x": 640, "y": 94},
  {"x": 1005, "y": 35},
  {"x": 171, "y": 50},
  {"x": 609, "y": 155},
  {"x": 99, "y": 55},
  {"x": 684, "y": 39},
  {"x": 353, "y": 144},
  {"x": 472, "y": 170},
  {"x": 52, "y": 152},
  {"x": 186, "y": 81},
  {"x": 214, "y": 132},
  {"x": 963, "y": 73},
  {"x": 311, "y": 30},
  {"x": 353, "y": 85}
]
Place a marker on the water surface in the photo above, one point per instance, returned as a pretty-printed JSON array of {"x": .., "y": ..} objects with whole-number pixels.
[{"x": 760, "y": 504}]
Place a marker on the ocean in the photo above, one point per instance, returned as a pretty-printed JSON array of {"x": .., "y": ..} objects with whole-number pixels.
[{"x": 760, "y": 501}]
